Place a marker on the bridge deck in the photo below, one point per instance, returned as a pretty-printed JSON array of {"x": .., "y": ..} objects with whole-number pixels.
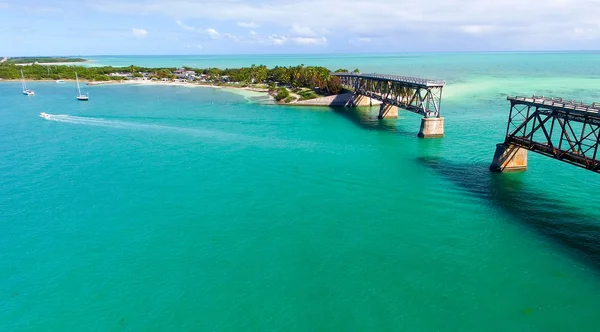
[
  {"x": 414, "y": 81},
  {"x": 559, "y": 104}
]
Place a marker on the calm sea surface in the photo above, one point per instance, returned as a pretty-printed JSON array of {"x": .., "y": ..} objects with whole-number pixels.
[{"x": 153, "y": 208}]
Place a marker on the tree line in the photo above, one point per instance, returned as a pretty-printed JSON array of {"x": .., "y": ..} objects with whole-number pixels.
[
  {"x": 43, "y": 59},
  {"x": 56, "y": 72},
  {"x": 312, "y": 77}
]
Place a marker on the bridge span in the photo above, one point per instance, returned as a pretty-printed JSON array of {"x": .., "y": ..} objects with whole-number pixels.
[
  {"x": 561, "y": 129},
  {"x": 417, "y": 95}
]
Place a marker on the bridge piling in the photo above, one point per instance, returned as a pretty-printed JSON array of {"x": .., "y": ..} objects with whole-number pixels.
[
  {"x": 432, "y": 128},
  {"x": 387, "y": 111},
  {"x": 416, "y": 95},
  {"x": 562, "y": 129},
  {"x": 359, "y": 100},
  {"x": 509, "y": 158}
]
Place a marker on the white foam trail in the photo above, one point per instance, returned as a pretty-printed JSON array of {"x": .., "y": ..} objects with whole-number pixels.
[
  {"x": 100, "y": 122},
  {"x": 269, "y": 142}
]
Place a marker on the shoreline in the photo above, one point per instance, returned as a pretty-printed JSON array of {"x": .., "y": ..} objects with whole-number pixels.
[
  {"x": 257, "y": 91},
  {"x": 328, "y": 101},
  {"x": 339, "y": 100},
  {"x": 53, "y": 63},
  {"x": 298, "y": 82},
  {"x": 133, "y": 82},
  {"x": 44, "y": 80}
]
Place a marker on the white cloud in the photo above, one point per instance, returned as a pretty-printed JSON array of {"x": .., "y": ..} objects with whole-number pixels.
[
  {"x": 249, "y": 25},
  {"x": 476, "y": 29},
  {"x": 302, "y": 31},
  {"x": 255, "y": 38},
  {"x": 438, "y": 23},
  {"x": 230, "y": 36},
  {"x": 212, "y": 33},
  {"x": 360, "y": 40},
  {"x": 309, "y": 41},
  {"x": 277, "y": 40},
  {"x": 195, "y": 46},
  {"x": 586, "y": 31},
  {"x": 184, "y": 26},
  {"x": 139, "y": 33}
]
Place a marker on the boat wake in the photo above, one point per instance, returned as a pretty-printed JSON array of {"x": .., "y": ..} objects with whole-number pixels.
[
  {"x": 213, "y": 135},
  {"x": 101, "y": 122}
]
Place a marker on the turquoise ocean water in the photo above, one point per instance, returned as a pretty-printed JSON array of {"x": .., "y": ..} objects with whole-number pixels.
[{"x": 160, "y": 208}]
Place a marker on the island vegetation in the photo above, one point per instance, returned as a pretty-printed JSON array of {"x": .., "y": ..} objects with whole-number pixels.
[
  {"x": 285, "y": 84},
  {"x": 26, "y": 60}
]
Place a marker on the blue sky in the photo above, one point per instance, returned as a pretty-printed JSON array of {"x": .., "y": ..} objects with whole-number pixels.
[{"x": 104, "y": 27}]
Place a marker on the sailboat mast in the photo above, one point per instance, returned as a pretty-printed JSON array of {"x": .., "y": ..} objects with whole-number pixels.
[
  {"x": 23, "y": 81},
  {"x": 78, "y": 89}
]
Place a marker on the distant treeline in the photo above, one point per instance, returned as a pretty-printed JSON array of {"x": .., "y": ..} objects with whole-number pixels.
[
  {"x": 56, "y": 72},
  {"x": 43, "y": 59},
  {"x": 313, "y": 77}
]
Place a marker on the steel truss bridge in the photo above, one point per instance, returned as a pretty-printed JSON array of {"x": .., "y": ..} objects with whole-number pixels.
[
  {"x": 417, "y": 95},
  {"x": 562, "y": 129}
]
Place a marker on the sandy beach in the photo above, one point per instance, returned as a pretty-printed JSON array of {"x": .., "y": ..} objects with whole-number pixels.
[
  {"x": 246, "y": 91},
  {"x": 148, "y": 83}
]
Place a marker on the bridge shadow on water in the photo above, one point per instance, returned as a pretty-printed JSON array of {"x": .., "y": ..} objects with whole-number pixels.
[
  {"x": 549, "y": 217},
  {"x": 366, "y": 118}
]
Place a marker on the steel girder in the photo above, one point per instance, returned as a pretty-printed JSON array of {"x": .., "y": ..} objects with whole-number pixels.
[
  {"x": 565, "y": 133},
  {"x": 417, "y": 98}
]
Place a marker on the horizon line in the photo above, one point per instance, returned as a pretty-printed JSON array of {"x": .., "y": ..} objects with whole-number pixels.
[{"x": 308, "y": 54}]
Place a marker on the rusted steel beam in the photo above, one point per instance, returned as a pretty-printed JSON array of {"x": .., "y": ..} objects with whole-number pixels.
[
  {"x": 535, "y": 130},
  {"x": 417, "y": 95}
]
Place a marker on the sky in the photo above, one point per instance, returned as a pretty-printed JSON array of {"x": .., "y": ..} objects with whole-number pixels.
[{"x": 116, "y": 27}]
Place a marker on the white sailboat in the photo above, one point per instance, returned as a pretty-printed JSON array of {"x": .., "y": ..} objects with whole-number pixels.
[
  {"x": 26, "y": 91},
  {"x": 80, "y": 96}
]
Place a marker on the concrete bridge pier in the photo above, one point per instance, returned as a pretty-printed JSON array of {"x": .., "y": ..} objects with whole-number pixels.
[
  {"x": 509, "y": 158},
  {"x": 359, "y": 100},
  {"x": 416, "y": 95},
  {"x": 387, "y": 111},
  {"x": 432, "y": 128}
]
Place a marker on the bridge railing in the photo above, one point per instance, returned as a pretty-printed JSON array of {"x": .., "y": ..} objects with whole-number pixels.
[
  {"x": 394, "y": 78},
  {"x": 558, "y": 103}
]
